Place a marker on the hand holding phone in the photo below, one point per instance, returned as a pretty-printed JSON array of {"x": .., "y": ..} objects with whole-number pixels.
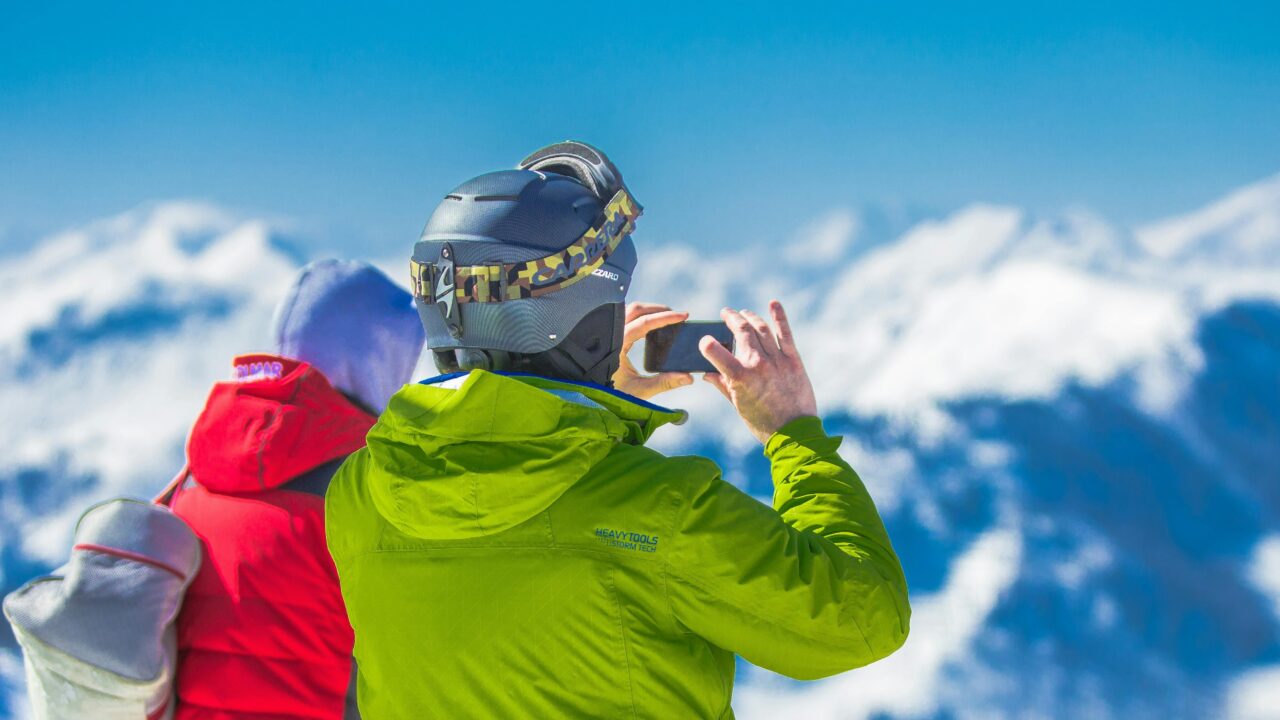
[
  {"x": 642, "y": 319},
  {"x": 763, "y": 376}
]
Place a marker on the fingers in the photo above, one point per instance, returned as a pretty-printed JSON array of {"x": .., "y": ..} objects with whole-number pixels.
[
  {"x": 786, "y": 339},
  {"x": 717, "y": 382},
  {"x": 768, "y": 342},
  {"x": 720, "y": 357},
  {"x": 637, "y": 309},
  {"x": 746, "y": 339},
  {"x": 644, "y": 324}
]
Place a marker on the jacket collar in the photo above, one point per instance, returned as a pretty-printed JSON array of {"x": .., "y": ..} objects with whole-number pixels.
[{"x": 648, "y": 416}]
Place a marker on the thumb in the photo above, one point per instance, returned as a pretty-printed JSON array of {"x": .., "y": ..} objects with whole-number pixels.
[{"x": 672, "y": 380}]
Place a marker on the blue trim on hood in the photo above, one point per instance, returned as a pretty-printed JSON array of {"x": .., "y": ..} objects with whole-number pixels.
[{"x": 616, "y": 393}]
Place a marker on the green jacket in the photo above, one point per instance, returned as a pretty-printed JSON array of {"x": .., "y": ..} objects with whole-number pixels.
[{"x": 507, "y": 547}]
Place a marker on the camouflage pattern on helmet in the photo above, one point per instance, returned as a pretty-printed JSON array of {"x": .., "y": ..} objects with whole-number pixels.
[{"x": 533, "y": 278}]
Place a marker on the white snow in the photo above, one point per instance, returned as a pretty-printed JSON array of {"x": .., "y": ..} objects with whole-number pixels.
[
  {"x": 1019, "y": 330},
  {"x": 1255, "y": 695},
  {"x": 1239, "y": 228},
  {"x": 1264, "y": 570},
  {"x": 987, "y": 303},
  {"x": 129, "y": 258}
]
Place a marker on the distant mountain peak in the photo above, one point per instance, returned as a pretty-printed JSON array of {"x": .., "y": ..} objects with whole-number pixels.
[
  {"x": 164, "y": 256},
  {"x": 1242, "y": 227}
]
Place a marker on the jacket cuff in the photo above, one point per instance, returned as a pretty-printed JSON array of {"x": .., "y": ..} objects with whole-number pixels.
[{"x": 802, "y": 431}]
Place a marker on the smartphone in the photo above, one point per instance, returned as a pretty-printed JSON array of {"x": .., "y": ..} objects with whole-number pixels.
[{"x": 674, "y": 348}]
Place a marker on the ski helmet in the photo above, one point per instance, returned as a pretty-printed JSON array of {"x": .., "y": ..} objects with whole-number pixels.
[{"x": 528, "y": 269}]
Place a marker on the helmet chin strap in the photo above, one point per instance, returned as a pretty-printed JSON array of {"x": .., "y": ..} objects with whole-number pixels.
[{"x": 468, "y": 359}]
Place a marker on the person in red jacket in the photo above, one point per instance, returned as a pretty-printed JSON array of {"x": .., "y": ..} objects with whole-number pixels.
[{"x": 263, "y": 632}]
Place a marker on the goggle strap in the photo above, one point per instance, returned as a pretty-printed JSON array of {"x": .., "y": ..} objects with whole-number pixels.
[{"x": 529, "y": 278}]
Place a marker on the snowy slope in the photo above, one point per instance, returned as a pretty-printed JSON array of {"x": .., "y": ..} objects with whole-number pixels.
[
  {"x": 990, "y": 302},
  {"x": 110, "y": 337},
  {"x": 1070, "y": 427}
]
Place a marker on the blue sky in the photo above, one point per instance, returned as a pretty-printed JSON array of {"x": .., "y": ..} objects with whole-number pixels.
[{"x": 733, "y": 122}]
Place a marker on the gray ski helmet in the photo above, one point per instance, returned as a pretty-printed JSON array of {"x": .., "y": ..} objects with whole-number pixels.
[{"x": 511, "y": 262}]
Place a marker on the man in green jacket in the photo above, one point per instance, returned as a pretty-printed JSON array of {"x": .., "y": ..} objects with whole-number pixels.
[{"x": 508, "y": 548}]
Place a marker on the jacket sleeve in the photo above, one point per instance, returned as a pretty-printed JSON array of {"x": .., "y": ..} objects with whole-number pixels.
[{"x": 809, "y": 588}]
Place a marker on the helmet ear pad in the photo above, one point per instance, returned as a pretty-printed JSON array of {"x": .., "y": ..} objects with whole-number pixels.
[{"x": 592, "y": 352}]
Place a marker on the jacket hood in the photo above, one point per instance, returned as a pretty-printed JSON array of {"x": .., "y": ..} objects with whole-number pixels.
[
  {"x": 476, "y": 453},
  {"x": 278, "y": 419},
  {"x": 352, "y": 323}
]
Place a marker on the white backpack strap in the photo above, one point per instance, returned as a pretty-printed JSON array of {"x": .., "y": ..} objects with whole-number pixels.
[{"x": 165, "y": 497}]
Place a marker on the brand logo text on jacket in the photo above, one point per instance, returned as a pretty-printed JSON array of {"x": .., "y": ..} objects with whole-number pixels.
[{"x": 627, "y": 540}]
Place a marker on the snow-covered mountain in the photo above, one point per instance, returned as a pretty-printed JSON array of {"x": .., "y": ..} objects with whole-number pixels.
[{"x": 1072, "y": 429}]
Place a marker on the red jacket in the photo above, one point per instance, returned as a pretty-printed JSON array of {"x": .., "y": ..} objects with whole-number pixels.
[{"x": 263, "y": 632}]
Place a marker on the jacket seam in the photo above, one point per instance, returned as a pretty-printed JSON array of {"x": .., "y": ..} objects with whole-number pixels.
[
  {"x": 681, "y": 508},
  {"x": 551, "y": 532},
  {"x": 682, "y": 505},
  {"x": 262, "y": 448},
  {"x": 475, "y": 505},
  {"x": 622, "y": 632},
  {"x": 475, "y": 481},
  {"x": 559, "y": 548},
  {"x": 782, "y": 624}
]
